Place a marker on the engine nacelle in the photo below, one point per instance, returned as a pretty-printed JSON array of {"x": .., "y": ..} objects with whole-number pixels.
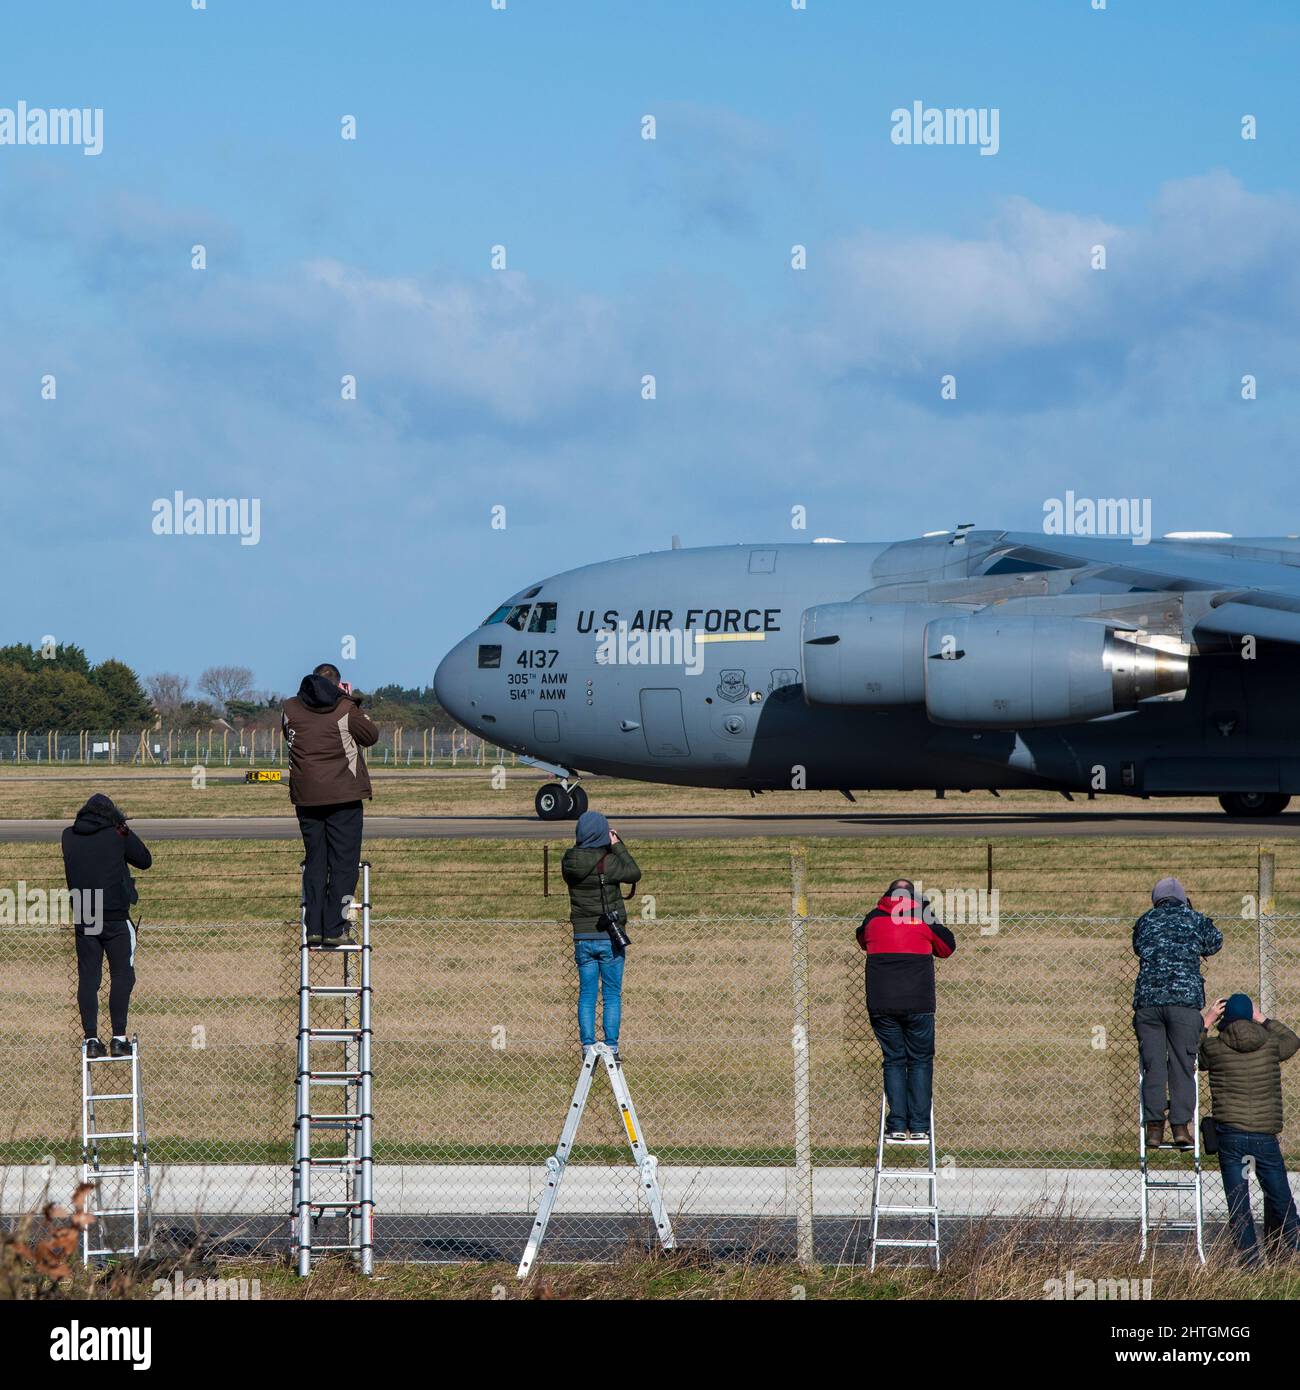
[
  {"x": 988, "y": 672},
  {"x": 865, "y": 653}
]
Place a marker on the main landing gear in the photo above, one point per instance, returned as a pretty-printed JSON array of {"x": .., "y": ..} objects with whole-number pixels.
[
  {"x": 555, "y": 801},
  {"x": 1254, "y": 803}
]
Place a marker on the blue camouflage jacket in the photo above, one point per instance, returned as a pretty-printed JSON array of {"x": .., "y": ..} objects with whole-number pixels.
[{"x": 1170, "y": 941}]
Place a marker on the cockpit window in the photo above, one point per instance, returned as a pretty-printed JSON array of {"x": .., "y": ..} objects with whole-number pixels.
[
  {"x": 498, "y": 616},
  {"x": 517, "y": 618},
  {"x": 543, "y": 619}
]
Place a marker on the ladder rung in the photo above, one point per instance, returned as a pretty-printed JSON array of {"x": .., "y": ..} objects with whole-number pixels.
[
  {"x": 911, "y": 1244},
  {"x": 928, "y": 1174},
  {"x": 1177, "y": 1186},
  {"x": 907, "y": 1211},
  {"x": 336, "y": 989},
  {"x": 333, "y": 1034},
  {"x": 335, "y": 1162},
  {"x": 334, "y": 1121},
  {"x": 113, "y": 1211},
  {"x": 95, "y": 1061},
  {"x": 356, "y": 1203},
  {"x": 110, "y": 1095},
  {"x": 111, "y": 1134},
  {"x": 97, "y": 1173},
  {"x": 317, "y": 1249},
  {"x": 334, "y": 950}
]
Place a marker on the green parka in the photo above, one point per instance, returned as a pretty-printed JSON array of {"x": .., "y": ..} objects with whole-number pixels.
[
  {"x": 1244, "y": 1062},
  {"x": 579, "y": 869}
]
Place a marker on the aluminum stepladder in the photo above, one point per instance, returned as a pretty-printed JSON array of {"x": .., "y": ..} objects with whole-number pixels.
[
  {"x": 353, "y": 1196},
  {"x": 132, "y": 1176},
  {"x": 929, "y": 1209},
  {"x": 1192, "y": 1184},
  {"x": 646, "y": 1163}
]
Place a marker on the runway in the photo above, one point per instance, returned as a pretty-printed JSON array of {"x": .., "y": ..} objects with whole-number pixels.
[{"x": 980, "y": 824}]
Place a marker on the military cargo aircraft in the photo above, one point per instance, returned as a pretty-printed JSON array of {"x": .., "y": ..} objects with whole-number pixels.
[{"x": 962, "y": 660}]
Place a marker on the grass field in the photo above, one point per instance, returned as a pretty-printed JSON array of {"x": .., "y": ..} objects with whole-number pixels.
[{"x": 1036, "y": 1061}]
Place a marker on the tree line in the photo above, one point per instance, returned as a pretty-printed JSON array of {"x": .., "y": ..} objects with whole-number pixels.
[{"x": 55, "y": 686}]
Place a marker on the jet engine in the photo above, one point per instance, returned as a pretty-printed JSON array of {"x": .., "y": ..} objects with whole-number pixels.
[
  {"x": 982, "y": 671},
  {"x": 987, "y": 672},
  {"x": 866, "y": 653}
]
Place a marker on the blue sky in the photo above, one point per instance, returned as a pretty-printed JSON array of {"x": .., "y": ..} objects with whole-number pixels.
[{"x": 476, "y": 387}]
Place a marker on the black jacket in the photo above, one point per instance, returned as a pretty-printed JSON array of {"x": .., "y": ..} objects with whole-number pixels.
[{"x": 99, "y": 851}]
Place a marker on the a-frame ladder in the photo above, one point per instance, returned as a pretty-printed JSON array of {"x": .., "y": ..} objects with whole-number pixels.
[
  {"x": 1172, "y": 1180},
  {"x": 928, "y": 1209},
  {"x": 646, "y": 1163}
]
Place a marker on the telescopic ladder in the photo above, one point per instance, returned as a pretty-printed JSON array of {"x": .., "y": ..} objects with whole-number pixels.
[
  {"x": 646, "y": 1163},
  {"x": 928, "y": 1209},
  {"x": 349, "y": 1176},
  {"x": 130, "y": 1191},
  {"x": 1159, "y": 1180}
]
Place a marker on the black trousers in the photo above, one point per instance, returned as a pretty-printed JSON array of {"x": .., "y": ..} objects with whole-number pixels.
[
  {"x": 117, "y": 942},
  {"x": 331, "y": 836}
]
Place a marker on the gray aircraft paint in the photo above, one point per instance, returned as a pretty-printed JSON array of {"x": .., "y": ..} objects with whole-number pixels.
[{"x": 1234, "y": 730}]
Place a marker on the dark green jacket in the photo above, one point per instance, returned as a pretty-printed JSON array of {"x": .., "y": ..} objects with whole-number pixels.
[
  {"x": 1244, "y": 1061},
  {"x": 579, "y": 869}
]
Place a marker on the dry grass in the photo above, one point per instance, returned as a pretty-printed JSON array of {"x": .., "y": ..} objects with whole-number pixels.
[{"x": 1025, "y": 1263}]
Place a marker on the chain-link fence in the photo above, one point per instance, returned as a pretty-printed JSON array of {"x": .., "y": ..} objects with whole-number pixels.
[
  {"x": 229, "y": 746},
  {"x": 756, "y": 1078}
]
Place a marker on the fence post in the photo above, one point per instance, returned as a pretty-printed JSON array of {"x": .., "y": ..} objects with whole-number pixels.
[
  {"x": 1266, "y": 909},
  {"x": 803, "y": 1189}
]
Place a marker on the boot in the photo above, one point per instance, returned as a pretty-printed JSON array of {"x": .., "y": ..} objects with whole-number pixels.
[
  {"x": 1155, "y": 1133},
  {"x": 1182, "y": 1136}
]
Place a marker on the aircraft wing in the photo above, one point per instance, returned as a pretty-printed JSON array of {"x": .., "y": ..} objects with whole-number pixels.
[{"x": 1232, "y": 589}]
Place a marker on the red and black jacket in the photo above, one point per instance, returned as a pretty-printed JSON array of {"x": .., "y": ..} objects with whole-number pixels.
[{"x": 901, "y": 946}]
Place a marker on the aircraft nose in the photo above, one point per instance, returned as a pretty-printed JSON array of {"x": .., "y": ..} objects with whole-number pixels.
[{"x": 451, "y": 681}]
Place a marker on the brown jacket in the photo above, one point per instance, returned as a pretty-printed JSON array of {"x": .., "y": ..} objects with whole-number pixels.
[
  {"x": 1246, "y": 1075},
  {"x": 326, "y": 732}
]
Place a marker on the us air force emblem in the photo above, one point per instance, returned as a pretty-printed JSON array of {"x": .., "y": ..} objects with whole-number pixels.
[{"x": 732, "y": 685}]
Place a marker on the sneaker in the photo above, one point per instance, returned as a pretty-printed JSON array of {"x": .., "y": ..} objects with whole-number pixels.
[
  {"x": 121, "y": 1047},
  {"x": 919, "y": 1136},
  {"x": 343, "y": 938},
  {"x": 896, "y": 1136},
  {"x": 95, "y": 1048},
  {"x": 313, "y": 937},
  {"x": 614, "y": 1055}
]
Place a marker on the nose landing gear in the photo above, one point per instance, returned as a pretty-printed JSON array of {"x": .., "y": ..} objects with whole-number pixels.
[{"x": 558, "y": 801}]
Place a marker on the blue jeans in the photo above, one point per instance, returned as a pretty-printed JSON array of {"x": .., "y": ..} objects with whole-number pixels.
[
  {"x": 1235, "y": 1148},
  {"x": 907, "y": 1043},
  {"x": 597, "y": 960}
]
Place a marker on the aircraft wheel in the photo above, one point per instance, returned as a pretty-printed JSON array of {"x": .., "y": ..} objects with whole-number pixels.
[
  {"x": 1254, "y": 803},
  {"x": 578, "y": 796},
  {"x": 553, "y": 802}
]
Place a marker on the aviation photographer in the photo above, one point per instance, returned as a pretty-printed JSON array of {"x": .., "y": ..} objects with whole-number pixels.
[
  {"x": 593, "y": 867},
  {"x": 328, "y": 780},
  {"x": 99, "y": 851}
]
